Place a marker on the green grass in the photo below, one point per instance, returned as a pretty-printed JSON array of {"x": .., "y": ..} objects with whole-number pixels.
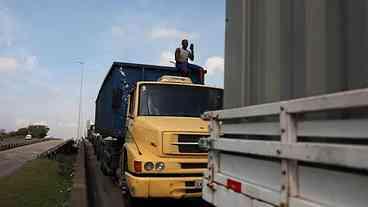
[{"x": 39, "y": 183}]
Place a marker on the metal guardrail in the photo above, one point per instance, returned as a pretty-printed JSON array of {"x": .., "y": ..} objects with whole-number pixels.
[{"x": 24, "y": 143}]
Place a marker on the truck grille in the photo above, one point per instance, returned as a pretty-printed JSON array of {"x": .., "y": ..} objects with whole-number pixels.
[
  {"x": 182, "y": 144},
  {"x": 188, "y": 143}
]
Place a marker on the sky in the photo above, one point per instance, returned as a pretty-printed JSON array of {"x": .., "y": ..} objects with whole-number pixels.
[{"x": 41, "y": 42}]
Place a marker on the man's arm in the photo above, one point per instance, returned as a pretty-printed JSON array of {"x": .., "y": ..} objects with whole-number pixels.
[
  {"x": 177, "y": 54},
  {"x": 191, "y": 54}
]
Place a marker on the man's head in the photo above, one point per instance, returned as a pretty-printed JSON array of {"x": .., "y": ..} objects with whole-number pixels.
[{"x": 184, "y": 44}]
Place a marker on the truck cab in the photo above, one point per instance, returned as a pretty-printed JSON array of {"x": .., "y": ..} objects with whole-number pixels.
[{"x": 161, "y": 156}]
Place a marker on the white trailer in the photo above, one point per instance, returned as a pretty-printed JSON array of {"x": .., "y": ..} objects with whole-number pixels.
[{"x": 287, "y": 154}]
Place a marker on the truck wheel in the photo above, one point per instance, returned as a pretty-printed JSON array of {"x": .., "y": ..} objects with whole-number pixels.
[
  {"x": 130, "y": 201},
  {"x": 124, "y": 165},
  {"x": 98, "y": 154},
  {"x": 103, "y": 169}
]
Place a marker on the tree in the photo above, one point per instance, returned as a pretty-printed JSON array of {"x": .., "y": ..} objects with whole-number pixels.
[
  {"x": 22, "y": 131},
  {"x": 12, "y": 134},
  {"x": 38, "y": 131},
  {"x": 2, "y": 134}
]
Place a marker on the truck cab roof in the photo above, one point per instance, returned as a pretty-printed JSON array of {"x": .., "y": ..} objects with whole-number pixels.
[{"x": 175, "y": 79}]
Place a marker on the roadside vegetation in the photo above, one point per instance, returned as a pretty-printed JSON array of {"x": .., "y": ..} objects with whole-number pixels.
[
  {"x": 37, "y": 131},
  {"x": 39, "y": 183}
]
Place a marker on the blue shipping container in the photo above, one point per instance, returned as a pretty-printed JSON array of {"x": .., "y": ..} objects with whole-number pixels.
[{"x": 111, "y": 103}]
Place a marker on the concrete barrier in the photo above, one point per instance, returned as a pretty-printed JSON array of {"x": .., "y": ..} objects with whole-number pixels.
[
  {"x": 79, "y": 196},
  {"x": 51, "y": 153}
]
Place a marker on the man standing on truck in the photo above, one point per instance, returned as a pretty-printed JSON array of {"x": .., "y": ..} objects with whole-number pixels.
[{"x": 181, "y": 57}]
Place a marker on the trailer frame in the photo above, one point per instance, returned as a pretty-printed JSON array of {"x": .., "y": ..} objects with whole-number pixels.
[{"x": 257, "y": 156}]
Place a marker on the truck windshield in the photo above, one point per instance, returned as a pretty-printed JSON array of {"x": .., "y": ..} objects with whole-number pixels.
[{"x": 178, "y": 100}]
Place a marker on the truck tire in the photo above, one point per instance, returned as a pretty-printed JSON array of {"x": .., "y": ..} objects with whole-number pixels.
[
  {"x": 131, "y": 201},
  {"x": 102, "y": 168},
  {"x": 98, "y": 152}
]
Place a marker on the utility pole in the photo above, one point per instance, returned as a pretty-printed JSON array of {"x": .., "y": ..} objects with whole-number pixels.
[{"x": 80, "y": 98}]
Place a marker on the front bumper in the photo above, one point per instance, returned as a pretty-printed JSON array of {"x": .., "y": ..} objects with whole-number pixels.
[{"x": 163, "y": 187}]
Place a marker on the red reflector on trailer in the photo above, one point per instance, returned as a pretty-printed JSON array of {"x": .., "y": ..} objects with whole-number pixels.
[
  {"x": 234, "y": 185},
  {"x": 137, "y": 166}
]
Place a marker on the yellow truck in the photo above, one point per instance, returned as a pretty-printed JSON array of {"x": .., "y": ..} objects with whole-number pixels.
[{"x": 159, "y": 156}]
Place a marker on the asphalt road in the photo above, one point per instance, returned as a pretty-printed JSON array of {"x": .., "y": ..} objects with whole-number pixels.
[
  {"x": 11, "y": 160},
  {"x": 104, "y": 193}
]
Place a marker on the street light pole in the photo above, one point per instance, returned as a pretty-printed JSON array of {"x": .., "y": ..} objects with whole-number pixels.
[{"x": 80, "y": 98}]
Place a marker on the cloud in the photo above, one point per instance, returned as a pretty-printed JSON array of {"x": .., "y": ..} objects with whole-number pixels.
[
  {"x": 20, "y": 123},
  {"x": 166, "y": 57},
  {"x": 40, "y": 123},
  {"x": 171, "y": 33},
  {"x": 8, "y": 64},
  {"x": 215, "y": 65}
]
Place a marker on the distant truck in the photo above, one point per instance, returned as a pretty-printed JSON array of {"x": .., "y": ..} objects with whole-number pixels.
[
  {"x": 148, "y": 125},
  {"x": 28, "y": 137}
]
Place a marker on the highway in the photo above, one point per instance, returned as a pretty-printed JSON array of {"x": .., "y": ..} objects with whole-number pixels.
[{"x": 11, "y": 160}]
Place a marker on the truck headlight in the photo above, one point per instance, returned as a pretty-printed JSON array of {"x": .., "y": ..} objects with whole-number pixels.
[
  {"x": 160, "y": 166},
  {"x": 148, "y": 166}
]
